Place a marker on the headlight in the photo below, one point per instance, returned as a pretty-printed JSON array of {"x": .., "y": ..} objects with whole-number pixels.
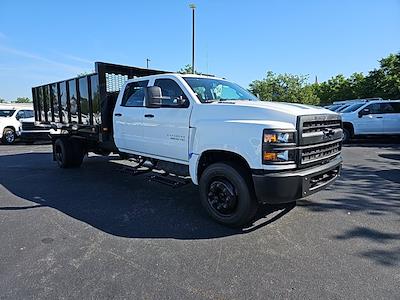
[
  {"x": 278, "y": 137},
  {"x": 278, "y": 146}
]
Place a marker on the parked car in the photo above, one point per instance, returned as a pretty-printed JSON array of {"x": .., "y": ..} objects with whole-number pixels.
[
  {"x": 240, "y": 151},
  {"x": 10, "y": 125},
  {"x": 377, "y": 117}
]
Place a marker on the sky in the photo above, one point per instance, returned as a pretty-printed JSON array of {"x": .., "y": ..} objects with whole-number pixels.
[{"x": 47, "y": 41}]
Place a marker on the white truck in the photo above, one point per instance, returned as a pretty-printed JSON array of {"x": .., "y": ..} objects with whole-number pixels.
[
  {"x": 371, "y": 118},
  {"x": 240, "y": 151},
  {"x": 11, "y": 115}
]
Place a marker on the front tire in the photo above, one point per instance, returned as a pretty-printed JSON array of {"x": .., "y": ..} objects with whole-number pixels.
[
  {"x": 9, "y": 136},
  {"x": 227, "y": 194},
  {"x": 346, "y": 135}
]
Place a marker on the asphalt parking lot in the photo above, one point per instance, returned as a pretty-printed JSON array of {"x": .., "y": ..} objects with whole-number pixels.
[{"x": 95, "y": 232}]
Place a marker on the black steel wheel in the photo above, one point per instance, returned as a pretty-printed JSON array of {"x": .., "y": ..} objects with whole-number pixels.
[
  {"x": 227, "y": 194},
  {"x": 68, "y": 153},
  {"x": 9, "y": 136},
  {"x": 222, "y": 196}
]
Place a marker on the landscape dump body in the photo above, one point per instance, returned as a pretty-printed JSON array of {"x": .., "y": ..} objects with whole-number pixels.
[{"x": 84, "y": 105}]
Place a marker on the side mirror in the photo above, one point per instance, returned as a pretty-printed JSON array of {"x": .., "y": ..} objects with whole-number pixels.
[
  {"x": 363, "y": 112},
  {"x": 152, "y": 96}
]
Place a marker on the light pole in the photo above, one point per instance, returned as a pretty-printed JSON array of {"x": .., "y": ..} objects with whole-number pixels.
[
  {"x": 193, "y": 7},
  {"x": 147, "y": 62}
]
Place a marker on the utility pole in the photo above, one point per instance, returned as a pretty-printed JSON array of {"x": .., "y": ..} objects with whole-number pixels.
[
  {"x": 147, "y": 62},
  {"x": 193, "y": 7}
]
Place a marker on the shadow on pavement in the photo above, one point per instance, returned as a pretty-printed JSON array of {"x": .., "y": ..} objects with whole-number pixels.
[
  {"x": 122, "y": 205},
  {"x": 373, "y": 192}
]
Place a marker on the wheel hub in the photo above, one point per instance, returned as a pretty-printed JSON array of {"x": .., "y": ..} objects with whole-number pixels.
[
  {"x": 10, "y": 137},
  {"x": 222, "y": 197}
]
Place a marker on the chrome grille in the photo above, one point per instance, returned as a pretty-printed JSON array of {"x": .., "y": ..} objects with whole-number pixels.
[
  {"x": 317, "y": 126},
  {"x": 319, "y": 152},
  {"x": 320, "y": 138}
]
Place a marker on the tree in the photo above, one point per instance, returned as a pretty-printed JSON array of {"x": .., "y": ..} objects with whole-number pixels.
[
  {"x": 285, "y": 87},
  {"x": 3, "y": 100},
  {"x": 187, "y": 69},
  {"x": 383, "y": 82},
  {"x": 23, "y": 100}
]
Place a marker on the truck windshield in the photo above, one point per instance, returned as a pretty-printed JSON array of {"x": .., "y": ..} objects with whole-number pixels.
[
  {"x": 210, "y": 90},
  {"x": 6, "y": 112}
]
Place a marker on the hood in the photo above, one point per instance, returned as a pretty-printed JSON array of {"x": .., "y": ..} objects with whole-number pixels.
[
  {"x": 262, "y": 112},
  {"x": 296, "y": 109}
]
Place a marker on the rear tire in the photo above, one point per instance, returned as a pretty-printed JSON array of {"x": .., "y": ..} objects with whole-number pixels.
[
  {"x": 68, "y": 153},
  {"x": 9, "y": 136},
  {"x": 227, "y": 194}
]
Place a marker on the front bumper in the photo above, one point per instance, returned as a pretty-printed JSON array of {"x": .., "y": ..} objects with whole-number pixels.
[{"x": 287, "y": 186}]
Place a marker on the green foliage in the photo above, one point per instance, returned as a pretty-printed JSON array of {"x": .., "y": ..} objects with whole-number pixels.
[
  {"x": 285, "y": 87},
  {"x": 23, "y": 100},
  {"x": 3, "y": 100},
  {"x": 187, "y": 69},
  {"x": 383, "y": 82}
]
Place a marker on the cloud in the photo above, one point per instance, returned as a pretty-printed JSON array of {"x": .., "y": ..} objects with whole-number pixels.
[{"x": 20, "y": 53}]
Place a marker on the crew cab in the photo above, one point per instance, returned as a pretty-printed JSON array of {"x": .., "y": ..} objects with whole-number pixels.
[
  {"x": 376, "y": 117},
  {"x": 10, "y": 125},
  {"x": 240, "y": 151}
]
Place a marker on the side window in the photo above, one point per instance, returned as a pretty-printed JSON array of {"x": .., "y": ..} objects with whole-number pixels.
[
  {"x": 391, "y": 108},
  {"x": 172, "y": 92},
  {"x": 134, "y": 94},
  {"x": 20, "y": 115},
  {"x": 396, "y": 107},
  {"x": 374, "y": 108}
]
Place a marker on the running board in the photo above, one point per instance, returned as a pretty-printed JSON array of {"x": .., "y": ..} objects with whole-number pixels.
[
  {"x": 132, "y": 171},
  {"x": 174, "y": 182}
]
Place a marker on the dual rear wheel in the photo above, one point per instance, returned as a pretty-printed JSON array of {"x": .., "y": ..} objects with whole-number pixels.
[{"x": 68, "y": 152}]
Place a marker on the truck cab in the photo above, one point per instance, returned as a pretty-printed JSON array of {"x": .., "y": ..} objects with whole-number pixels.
[{"x": 281, "y": 151}]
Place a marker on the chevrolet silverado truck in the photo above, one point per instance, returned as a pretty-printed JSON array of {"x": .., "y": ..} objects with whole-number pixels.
[{"x": 240, "y": 151}]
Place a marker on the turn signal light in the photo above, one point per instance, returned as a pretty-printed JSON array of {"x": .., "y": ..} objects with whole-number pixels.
[{"x": 270, "y": 156}]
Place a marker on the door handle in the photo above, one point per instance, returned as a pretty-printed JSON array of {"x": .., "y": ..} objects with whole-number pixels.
[
  {"x": 118, "y": 115},
  {"x": 149, "y": 116},
  {"x": 379, "y": 117}
]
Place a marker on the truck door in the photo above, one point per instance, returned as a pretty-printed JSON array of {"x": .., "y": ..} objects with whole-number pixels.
[
  {"x": 166, "y": 129},
  {"x": 128, "y": 118},
  {"x": 391, "y": 117},
  {"x": 372, "y": 123}
]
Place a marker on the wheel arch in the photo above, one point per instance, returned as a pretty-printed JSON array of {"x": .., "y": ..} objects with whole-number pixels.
[
  {"x": 349, "y": 126},
  {"x": 10, "y": 127},
  {"x": 209, "y": 157}
]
